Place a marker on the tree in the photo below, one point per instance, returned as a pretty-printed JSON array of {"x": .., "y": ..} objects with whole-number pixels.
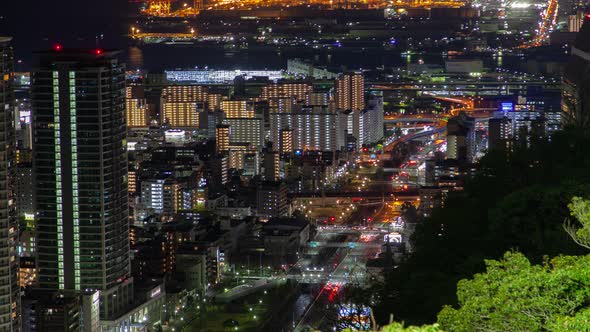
[
  {"x": 515, "y": 295},
  {"x": 517, "y": 200},
  {"x": 398, "y": 327},
  {"x": 580, "y": 210},
  {"x": 347, "y": 307},
  {"x": 579, "y": 322},
  {"x": 409, "y": 212}
]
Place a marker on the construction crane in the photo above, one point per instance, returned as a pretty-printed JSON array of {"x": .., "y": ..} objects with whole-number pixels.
[
  {"x": 158, "y": 8},
  {"x": 163, "y": 8}
]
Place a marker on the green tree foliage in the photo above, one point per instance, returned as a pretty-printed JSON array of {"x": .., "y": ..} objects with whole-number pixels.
[
  {"x": 580, "y": 210},
  {"x": 578, "y": 323},
  {"x": 516, "y": 201},
  {"x": 515, "y": 295},
  {"x": 398, "y": 327}
]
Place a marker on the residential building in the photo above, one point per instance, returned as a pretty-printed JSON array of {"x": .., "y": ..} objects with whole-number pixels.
[
  {"x": 271, "y": 199},
  {"x": 245, "y": 130},
  {"x": 80, "y": 167},
  {"x": 10, "y": 317},
  {"x": 137, "y": 108},
  {"x": 349, "y": 91}
]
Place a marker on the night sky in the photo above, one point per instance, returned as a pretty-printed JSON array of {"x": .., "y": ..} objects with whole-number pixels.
[{"x": 37, "y": 25}]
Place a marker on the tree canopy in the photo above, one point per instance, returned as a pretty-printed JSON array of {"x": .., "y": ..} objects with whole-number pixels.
[
  {"x": 515, "y": 295},
  {"x": 516, "y": 201}
]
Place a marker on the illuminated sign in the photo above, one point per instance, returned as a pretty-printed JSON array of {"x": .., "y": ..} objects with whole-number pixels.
[
  {"x": 393, "y": 237},
  {"x": 155, "y": 292},
  {"x": 507, "y": 107}
]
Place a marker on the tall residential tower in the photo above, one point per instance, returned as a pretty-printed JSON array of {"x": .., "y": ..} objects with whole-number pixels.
[
  {"x": 349, "y": 91},
  {"x": 80, "y": 167},
  {"x": 9, "y": 289}
]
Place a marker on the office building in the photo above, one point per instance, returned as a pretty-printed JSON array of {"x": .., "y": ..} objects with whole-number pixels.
[
  {"x": 80, "y": 167},
  {"x": 349, "y": 91},
  {"x": 9, "y": 289}
]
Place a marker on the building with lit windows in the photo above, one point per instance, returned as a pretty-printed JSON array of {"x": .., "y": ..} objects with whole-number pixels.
[
  {"x": 367, "y": 125},
  {"x": 181, "y": 105},
  {"x": 318, "y": 99},
  {"x": 80, "y": 167},
  {"x": 272, "y": 199},
  {"x": 239, "y": 154},
  {"x": 431, "y": 198},
  {"x": 349, "y": 91},
  {"x": 290, "y": 91},
  {"x": 315, "y": 129},
  {"x": 283, "y": 105},
  {"x": 237, "y": 109},
  {"x": 24, "y": 189},
  {"x": 245, "y": 130},
  {"x": 166, "y": 196},
  {"x": 137, "y": 109},
  {"x": 10, "y": 295},
  {"x": 307, "y": 69},
  {"x": 27, "y": 272},
  {"x": 500, "y": 134},
  {"x": 219, "y": 166},
  {"x": 207, "y": 76},
  {"x": 461, "y": 138},
  {"x": 132, "y": 180},
  {"x": 222, "y": 134},
  {"x": 286, "y": 141}
]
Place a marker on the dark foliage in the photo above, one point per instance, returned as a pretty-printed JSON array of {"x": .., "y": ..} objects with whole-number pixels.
[{"x": 516, "y": 201}]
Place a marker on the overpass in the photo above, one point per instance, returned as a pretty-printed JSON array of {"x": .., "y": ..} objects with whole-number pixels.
[
  {"x": 417, "y": 135},
  {"x": 411, "y": 119},
  {"x": 361, "y": 194},
  {"x": 350, "y": 245}
]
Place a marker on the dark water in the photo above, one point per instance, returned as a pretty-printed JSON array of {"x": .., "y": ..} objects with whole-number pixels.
[{"x": 38, "y": 25}]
